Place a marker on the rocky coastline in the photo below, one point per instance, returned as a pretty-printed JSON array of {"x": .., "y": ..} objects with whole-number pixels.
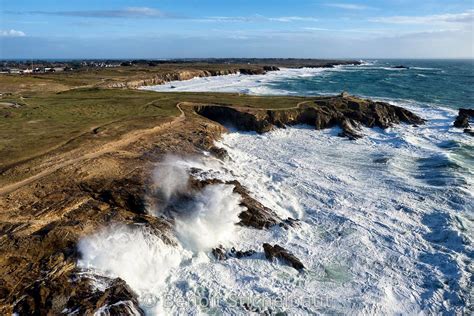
[
  {"x": 462, "y": 120},
  {"x": 347, "y": 112},
  {"x": 187, "y": 74},
  {"x": 40, "y": 272}
]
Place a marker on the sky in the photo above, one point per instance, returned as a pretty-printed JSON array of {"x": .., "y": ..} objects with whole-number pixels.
[{"x": 236, "y": 28}]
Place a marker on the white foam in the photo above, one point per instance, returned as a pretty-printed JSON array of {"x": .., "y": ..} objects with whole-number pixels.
[
  {"x": 380, "y": 232},
  {"x": 136, "y": 255},
  {"x": 238, "y": 83},
  {"x": 212, "y": 219}
]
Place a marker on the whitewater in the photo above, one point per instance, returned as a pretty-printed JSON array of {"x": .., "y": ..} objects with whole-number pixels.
[{"x": 385, "y": 222}]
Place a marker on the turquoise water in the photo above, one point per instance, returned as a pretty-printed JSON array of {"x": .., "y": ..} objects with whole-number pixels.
[{"x": 448, "y": 83}]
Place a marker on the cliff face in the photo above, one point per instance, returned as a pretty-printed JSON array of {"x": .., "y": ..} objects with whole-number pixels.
[
  {"x": 186, "y": 75},
  {"x": 344, "y": 111},
  {"x": 251, "y": 69}
]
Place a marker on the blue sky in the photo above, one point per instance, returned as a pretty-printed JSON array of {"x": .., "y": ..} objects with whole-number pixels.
[{"x": 240, "y": 28}]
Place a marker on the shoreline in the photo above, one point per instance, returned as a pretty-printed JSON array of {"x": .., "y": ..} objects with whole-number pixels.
[
  {"x": 250, "y": 70},
  {"x": 107, "y": 178}
]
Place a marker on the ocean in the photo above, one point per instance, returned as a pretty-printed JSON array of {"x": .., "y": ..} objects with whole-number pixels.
[{"x": 386, "y": 222}]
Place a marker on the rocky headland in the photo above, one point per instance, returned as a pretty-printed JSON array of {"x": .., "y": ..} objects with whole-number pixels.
[
  {"x": 347, "y": 112},
  {"x": 42, "y": 220},
  {"x": 187, "y": 74}
]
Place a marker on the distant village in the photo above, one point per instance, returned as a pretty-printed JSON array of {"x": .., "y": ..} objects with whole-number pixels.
[{"x": 39, "y": 67}]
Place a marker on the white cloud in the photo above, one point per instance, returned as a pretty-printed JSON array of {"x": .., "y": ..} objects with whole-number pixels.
[
  {"x": 449, "y": 20},
  {"x": 258, "y": 18},
  {"x": 12, "y": 33},
  {"x": 130, "y": 12},
  {"x": 348, "y": 6},
  {"x": 293, "y": 19}
]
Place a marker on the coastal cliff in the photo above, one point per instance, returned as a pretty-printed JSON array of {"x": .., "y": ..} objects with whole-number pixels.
[
  {"x": 45, "y": 218},
  {"x": 345, "y": 111},
  {"x": 177, "y": 76},
  {"x": 187, "y": 74}
]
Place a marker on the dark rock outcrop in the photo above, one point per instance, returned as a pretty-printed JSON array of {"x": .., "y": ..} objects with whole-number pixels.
[
  {"x": 64, "y": 290},
  {"x": 462, "y": 120},
  {"x": 344, "y": 111},
  {"x": 256, "y": 215},
  {"x": 219, "y": 153},
  {"x": 469, "y": 131},
  {"x": 400, "y": 67},
  {"x": 241, "y": 253},
  {"x": 289, "y": 222},
  {"x": 271, "y": 68},
  {"x": 220, "y": 253},
  {"x": 278, "y": 252},
  {"x": 248, "y": 71}
]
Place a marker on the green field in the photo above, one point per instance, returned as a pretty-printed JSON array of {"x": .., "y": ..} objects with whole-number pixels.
[{"x": 35, "y": 123}]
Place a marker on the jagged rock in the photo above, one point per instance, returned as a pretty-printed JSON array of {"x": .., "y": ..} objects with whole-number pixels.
[
  {"x": 462, "y": 120},
  {"x": 219, "y": 253},
  {"x": 245, "y": 71},
  {"x": 271, "y": 68},
  {"x": 289, "y": 222},
  {"x": 241, "y": 254},
  {"x": 124, "y": 193},
  {"x": 469, "y": 131},
  {"x": 117, "y": 299},
  {"x": 256, "y": 214},
  {"x": 56, "y": 293},
  {"x": 349, "y": 129},
  {"x": 278, "y": 252},
  {"x": 219, "y": 153},
  {"x": 346, "y": 111}
]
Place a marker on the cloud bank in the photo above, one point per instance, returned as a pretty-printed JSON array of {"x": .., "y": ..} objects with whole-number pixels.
[{"x": 11, "y": 33}]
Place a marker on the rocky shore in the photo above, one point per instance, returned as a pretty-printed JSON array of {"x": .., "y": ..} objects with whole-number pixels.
[
  {"x": 345, "y": 111},
  {"x": 47, "y": 218},
  {"x": 187, "y": 74},
  {"x": 462, "y": 120}
]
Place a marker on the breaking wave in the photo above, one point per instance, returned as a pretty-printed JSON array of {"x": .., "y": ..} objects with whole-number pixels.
[{"x": 385, "y": 221}]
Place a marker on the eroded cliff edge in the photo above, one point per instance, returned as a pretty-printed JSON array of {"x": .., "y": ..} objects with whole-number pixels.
[
  {"x": 200, "y": 71},
  {"x": 347, "y": 112},
  {"x": 43, "y": 221}
]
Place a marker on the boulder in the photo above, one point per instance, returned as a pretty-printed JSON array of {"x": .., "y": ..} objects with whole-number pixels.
[
  {"x": 219, "y": 153},
  {"x": 462, "y": 120},
  {"x": 220, "y": 253},
  {"x": 400, "y": 67},
  {"x": 469, "y": 131},
  {"x": 240, "y": 253},
  {"x": 277, "y": 252}
]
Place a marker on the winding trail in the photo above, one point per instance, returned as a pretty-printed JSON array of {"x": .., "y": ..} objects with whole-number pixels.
[{"x": 106, "y": 148}]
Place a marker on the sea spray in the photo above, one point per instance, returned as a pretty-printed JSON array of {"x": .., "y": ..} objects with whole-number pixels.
[
  {"x": 135, "y": 254},
  {"x": 203, "y": 219},
  {"x": 215, "y": 211},
  {"x": 171, "y": 177}
]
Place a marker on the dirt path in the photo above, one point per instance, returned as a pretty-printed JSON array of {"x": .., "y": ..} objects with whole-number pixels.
[{"x": 107, "y": 148}]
